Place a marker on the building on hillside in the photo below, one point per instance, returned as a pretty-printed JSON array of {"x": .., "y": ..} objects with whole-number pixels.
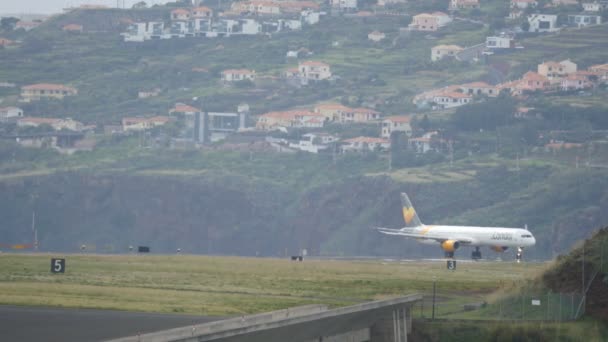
[
  {"x": 396, "y": 123},
  {"x": 565, "y": 2},
  {"x": 26, "y": 25},
  {"x": 314, "y": 142},
  {"x": 429, "y": 22},
  {"x": 184, "y": 109},
  {"x": 202, "y": 12},
  {"x": 72, "y": 28},
  {"x": 601, "y": 70},
  {"x": 10, "y": 113},
  {"x": 235, "y": 75},
  {"x": 523, "y": 4},
  {"x": 144, "y": 94},
  {"x": 532, "y": 81},
  {"x": 344, "y": 5},
  {"x": 463, "y": 4},
  {"x": 575, "y": 82},
  {"x": 314, "y": 71},
  {"x": 143, "y": 123},
  {"x": 500, "y": 42},
  {"x": 289, "y": 119},
  {"x": 442, "y": 51},
  {"x": 552, "y": 70},
  {"x": 376, "y": 36},
  {"x": 583, "y": 20},
  {"x": 332, "y": 111},
  {"x": 478, "y": 89},
  {"x": 596, "y": 6},
  {"x": 6, "y": 42},
  {"x": 424, "y": 143},
  {"x": 452, "y": 99},
  {"x": 57, "y": 124},
  {"x": 359, "y": 115},
  {"x": 46, "y": 90},
  {"x": 362, "y": 144},
  {"x": 180, "y": 14},
  {"x": 543, "y": 23}
]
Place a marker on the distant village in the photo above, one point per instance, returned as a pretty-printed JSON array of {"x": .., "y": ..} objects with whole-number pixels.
[{"x": 268, "y": 17}]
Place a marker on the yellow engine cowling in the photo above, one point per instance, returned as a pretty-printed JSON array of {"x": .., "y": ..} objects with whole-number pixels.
[
  {"x": 499, "y": 249},
  {"x": 450, "y": 245}
]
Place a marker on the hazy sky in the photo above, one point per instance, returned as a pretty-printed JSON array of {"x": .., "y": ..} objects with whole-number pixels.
[{"x": 56, "y": 6}]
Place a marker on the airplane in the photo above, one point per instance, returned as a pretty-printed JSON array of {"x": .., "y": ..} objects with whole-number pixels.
[{"x": 450, "y": 238}]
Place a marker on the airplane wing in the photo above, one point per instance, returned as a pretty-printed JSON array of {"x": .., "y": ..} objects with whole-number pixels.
[{"x": 411, "y": 234}]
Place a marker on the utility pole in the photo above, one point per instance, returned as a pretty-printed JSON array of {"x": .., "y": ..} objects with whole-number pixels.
[{"x": 434, "y": 292}]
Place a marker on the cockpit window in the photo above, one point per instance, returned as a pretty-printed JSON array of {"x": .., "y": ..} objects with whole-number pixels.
[{"x": 526, "y": 236}]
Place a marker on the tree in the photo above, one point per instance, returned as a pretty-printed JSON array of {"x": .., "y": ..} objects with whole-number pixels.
[
  {"x": 8, "y": 23},
  {"x": 141, "y": 4}
]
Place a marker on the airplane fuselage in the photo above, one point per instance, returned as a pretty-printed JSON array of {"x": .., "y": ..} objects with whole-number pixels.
[{"x": 478, "y": 236}]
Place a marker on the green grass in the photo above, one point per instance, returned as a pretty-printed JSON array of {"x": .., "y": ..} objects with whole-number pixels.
[{"x": 230, "y": 285}]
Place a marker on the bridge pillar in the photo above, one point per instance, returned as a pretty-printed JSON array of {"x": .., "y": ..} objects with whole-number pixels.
[{"x": 392, "y": 327}]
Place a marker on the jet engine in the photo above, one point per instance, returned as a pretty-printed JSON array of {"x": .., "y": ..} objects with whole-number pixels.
[
  {"x": 450, "y": 245},
  {"x": 499, "y": 249}
]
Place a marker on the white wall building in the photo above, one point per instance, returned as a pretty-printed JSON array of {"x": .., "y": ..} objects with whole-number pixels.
[{"x": 543, "y": 23}]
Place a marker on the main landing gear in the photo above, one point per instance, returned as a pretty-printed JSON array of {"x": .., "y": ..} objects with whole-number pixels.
[
  {"x": 476, "y": 254},
  {"x": 519, "y": 255}
]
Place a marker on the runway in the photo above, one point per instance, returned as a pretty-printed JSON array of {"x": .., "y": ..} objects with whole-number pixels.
[{"x": 77, "y": 325}]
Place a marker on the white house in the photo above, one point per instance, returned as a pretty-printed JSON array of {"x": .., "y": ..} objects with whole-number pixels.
[
  {"x": 344, "y": 4},
  {"x": 360, "y": 144},
  {"x": 523, "y": 4},
  {"x": 376, "y": 36},
  {"x": 316, "y": 71},
  {"x": 500, "y": 42},
  {"x": 235, "y": 75},
  {"x": 543, "y": 23},
  {"x": 595, "y": 6},
  {"x": 583, "y": 19},
  {"x": 314, "y": 142},
  {"x": 478, "y": 88},
  {"x": 442, "y": 51},
  {"x": 575, "y": 82},
  {"x": 463, "y": 4},
  {"x": 10, "y": 113},
  {"x": 250, "y": 26},
  {"x": 396, "y": 123},
  {"x": 552, "y": 70},
  {"x": 423, "y": 143},
  {"x": 452, "y": 99}
]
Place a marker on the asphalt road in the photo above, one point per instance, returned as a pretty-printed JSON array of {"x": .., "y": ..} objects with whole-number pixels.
[{"x": 82, "y": 325}]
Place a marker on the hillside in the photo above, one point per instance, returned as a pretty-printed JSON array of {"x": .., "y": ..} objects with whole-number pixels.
[{"x": 227, "y": 203}]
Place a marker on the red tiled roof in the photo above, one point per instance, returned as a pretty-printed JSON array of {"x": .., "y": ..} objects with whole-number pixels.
[
  {"x": 180, "y": 11},
  {"x": 47, "y": 86},
  {"x": 202, "y": 9},
  {"x": 72, "y": 27},
  {"x": 4, "y": 41},
  {"x": 533, "y": 76},
  {"x": 314, "y": 63},
  {"x": 333, "y": 106},
  {"x": 182, "y": 108}
]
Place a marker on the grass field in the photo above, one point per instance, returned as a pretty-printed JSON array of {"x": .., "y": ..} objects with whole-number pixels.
[{"x": 229, "y": 285}]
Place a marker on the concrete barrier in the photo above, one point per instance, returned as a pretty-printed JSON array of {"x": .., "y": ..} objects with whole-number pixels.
[{"x": 378, "y": 321}]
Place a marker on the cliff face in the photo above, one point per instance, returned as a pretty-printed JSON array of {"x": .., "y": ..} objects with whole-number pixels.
[{"x": 238, "y": 215}]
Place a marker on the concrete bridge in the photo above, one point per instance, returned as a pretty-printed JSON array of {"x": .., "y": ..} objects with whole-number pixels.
[{"x": 387, "y": 320}]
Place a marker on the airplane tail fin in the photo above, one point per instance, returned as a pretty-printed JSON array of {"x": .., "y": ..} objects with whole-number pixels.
[{"x": 409, "y": 213}]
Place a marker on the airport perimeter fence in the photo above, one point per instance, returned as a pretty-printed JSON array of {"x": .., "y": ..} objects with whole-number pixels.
[{"x": 525, "y": 306}]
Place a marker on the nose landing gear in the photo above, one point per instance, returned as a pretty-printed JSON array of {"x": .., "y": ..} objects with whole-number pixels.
[{"x": 519, "y": 255}]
